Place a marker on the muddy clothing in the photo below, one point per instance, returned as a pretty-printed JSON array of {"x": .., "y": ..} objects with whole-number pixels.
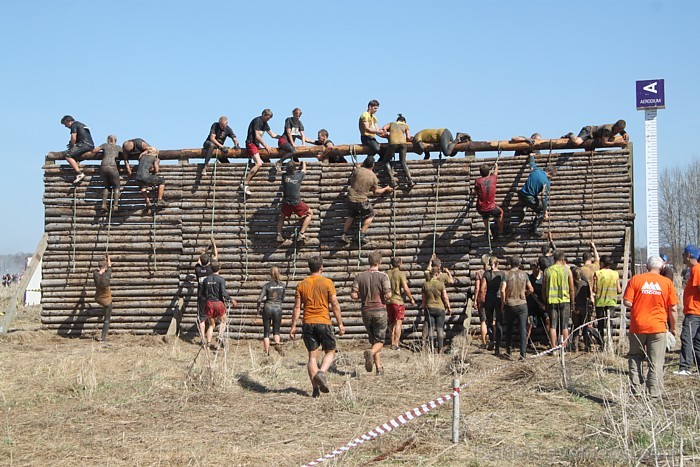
[
  {"x": 600, "y": 132},
  {"x": 372, "y": 287},
  {"x": 486, "y": 193},
  {"x": 516, "y": 286},
  {"x": 432, "y": 294},
  {"x": 213, "y": 288},
  {"x": 272, "y": 293},
  {"x": 588, "y": 272},
  {"x": 397, "y": 133},
  {"x": 494, "y": 279},
  {"x": 557, "y": 277},
  {"x": 291, "y": 187},
  {"x": 110, "y": 153},
  {"x": 606, "y": 286},
  {"x": 667, "y": 272},
  {"x": 103, "y": 294},
  {"x": 372, "y": 123},
  {"x": 362, "y": 183},
  {"x": 396, "y": 278},
  {"x": 428, "y": 136},
  {"x": 138, "y": 145},
  {"x": 220, "y": 134},
  {"x": 82, "y": 134},
  {"x": 143, "y": 172},
  {"x": 256, "y": 125},
  {"x": 201, "y": 272}
]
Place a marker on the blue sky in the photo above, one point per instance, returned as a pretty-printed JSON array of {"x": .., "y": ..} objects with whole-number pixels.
[{"x": 165, "y": 71}]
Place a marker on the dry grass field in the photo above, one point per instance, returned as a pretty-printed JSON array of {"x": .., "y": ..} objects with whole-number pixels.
[{"x": 153, "y": 401}]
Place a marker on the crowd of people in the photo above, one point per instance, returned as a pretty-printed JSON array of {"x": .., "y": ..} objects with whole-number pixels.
[
  {"x": 554, "y": 295},
  {"x": 9, "y": 279}
]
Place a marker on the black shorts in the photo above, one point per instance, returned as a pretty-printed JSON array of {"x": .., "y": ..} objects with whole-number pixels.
[
  {"x": 201, "y": 314},
  {"x": 375, "y": 323},
  {"x": 559, "y": 315},
  {"x": 495, "y": 212},
  {"x": 272, "y": 318},
  {"x": 363, "y": 209},
  {"x": 316, "y": 335},
  {"x": 585, "y": 133},
  {"x": 150, "y": 180},
  {"x": 78, "y": 150},
  {"x": 532, "y": 202}
]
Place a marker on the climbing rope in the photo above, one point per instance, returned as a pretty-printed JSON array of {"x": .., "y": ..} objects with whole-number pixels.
[
  {"x": 245, "y": 222},
  {"x": 75, "y": 220},
  {"x": 393, "y": 224},
  {"x": 592, "y": 194},
  {"x": 353, "y": 155},
  {"x": 109, "y": 221},
  {"x": 359, "y": 241},
  {"x": 294, "y": 256},
  {"x": 437, "y": 200},
  {"x": 213, "y": 202},
  {"x": 155, "y": 259}
]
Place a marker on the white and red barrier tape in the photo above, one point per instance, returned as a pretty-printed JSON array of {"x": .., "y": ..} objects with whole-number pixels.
[{"x": 425, "y": 408}]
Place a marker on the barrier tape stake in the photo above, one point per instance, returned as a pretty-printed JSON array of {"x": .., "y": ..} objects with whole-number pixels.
[{"x": 455, "y": 411}]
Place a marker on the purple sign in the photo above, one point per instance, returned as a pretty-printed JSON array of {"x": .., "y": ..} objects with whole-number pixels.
[{"x": 650, "y": 94}]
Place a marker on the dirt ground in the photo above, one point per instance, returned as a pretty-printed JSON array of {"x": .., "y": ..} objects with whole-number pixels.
[{"x": 150, "y": 401}]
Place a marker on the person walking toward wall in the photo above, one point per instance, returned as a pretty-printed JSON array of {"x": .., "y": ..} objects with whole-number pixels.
[
  {"x": 395, "y": 306},
  {"x": 653, "y": 301},
  {"x": 690, "y": 332},
  {"x": 270, "y": 304}
]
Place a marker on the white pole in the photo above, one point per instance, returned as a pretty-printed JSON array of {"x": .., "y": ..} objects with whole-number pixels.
[
  {"x": 652, "y": 179},
  {"x": 455, "y": 412}
]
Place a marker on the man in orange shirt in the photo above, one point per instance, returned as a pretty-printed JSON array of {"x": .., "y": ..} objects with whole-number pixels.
[
  {"x": 653, "y": 301},
  {"x": 690, "y": 332},
  {"x": 316, "y": 293}
]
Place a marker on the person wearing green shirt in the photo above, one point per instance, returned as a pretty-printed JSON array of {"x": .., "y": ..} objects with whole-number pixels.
[{"x": 558, "y": 294}]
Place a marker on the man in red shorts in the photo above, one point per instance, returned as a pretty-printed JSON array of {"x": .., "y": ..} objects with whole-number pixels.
[
  {"x": 257, "y": 127},
  {"x": 213, "y": 291},
  {"x": 291, "y": 200},
  {"x": 395, "y": 305},
  {"x": 485, "y": 187}
]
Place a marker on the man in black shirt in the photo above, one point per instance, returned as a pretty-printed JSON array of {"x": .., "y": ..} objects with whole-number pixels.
[
  {"x": 201, "y": 270},
  {"x": 291, "y": 200},
  {"x": 327, "y": 144},
  {"x": 80, "y": 143},
  {"x": 147, "y": 177},
  {"x": 213, "y": 293},
  {"x": 257, "y": 127},
  {"x": 602, "y": 135},
  {"x": 217, "y": 136},
  {"x": 133, "y": 148},
  {"x": 293, "y": 130}
]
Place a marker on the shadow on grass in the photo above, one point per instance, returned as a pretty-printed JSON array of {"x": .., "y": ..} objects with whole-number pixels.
[{"x": 247, "y": 383}]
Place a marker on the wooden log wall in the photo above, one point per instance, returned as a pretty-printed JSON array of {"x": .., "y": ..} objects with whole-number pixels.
[{"x": 591, "y": 198}]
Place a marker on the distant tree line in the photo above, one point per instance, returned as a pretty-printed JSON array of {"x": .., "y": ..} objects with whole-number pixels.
[{"x": 679, "y": 200}]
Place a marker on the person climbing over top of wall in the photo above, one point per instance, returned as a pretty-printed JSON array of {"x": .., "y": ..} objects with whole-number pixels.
[
  {"x": 147, "y": 177},
  {"x": 254, "y": 139},
  {"x": 328, "y": 153},
  {"x": 399, "y": 134},
  {"x": 80, "y": 143},
  {"x": 363, "y": 181},
  {"x": 293, "y": 130},
  {"x": 602, "y": 135},
  {"x": 218, "y": 133},
  {"x": 536, "y": 137},
  {"x": 369, "y": 128},
  {"x": 535, "y": 194},
  {"x": 440, "y": 136},
  {"x": 133, "y": 148},
  {"x": 109, "y": 169}
]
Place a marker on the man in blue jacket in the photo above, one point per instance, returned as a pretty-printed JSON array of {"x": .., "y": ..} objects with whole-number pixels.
[{"x": 535, "y": 194}]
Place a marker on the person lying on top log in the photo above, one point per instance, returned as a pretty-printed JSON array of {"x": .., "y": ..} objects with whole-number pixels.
[
  {"x": 327, "y": 153},
  {"x": 257, "y": 127},
  {"x": 147, "y": 177},
  {"x": 535, "y": 194},
  {"x": 440, "y": 136},
  {"x": 218, "y": 133},
  {"x": 485, "y": 187},
  {"x": 132, "y": 148},
  {"x": 293, "y": 129},
  {"x": 291, "y": 200},
  {"x": 531, "y": 140},
  {"x": 80, "y": 143},
  {"x": 399, "y": 134},
  {"x": 109, "y": 169},
  {"x": 602, "y": 135},
  {"x": 369, "y": 128},
  {"x": 363, "y": 181}
]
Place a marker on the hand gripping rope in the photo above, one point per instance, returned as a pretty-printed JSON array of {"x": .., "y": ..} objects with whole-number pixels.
[{"x": 412, "y": 414}]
